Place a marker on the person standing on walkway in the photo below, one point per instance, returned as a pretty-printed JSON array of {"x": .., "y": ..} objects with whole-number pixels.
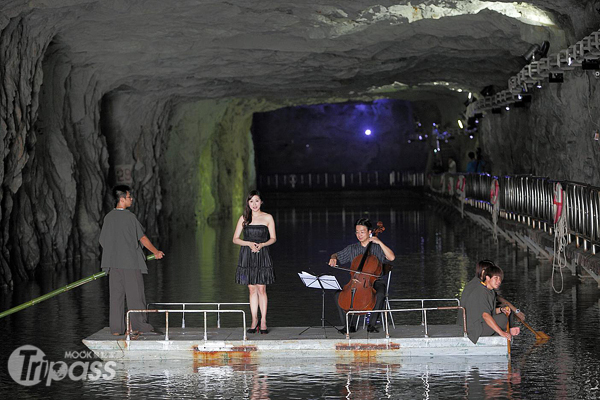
[
  {"x": 472, "y": 165},
  {"x": 451, "y": 165}
]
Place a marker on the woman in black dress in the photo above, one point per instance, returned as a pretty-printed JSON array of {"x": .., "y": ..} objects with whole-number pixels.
[{"x": 255, "y": 267}]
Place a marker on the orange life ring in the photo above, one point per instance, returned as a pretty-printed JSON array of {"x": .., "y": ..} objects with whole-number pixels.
[
  {"x": 557, "y": 201},
  {"x": 460, "y": 184},
  {"x": 494, "y": 190}
]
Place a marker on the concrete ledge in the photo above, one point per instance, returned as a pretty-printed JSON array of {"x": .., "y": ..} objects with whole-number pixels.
[{"x": 284, "y": 342}]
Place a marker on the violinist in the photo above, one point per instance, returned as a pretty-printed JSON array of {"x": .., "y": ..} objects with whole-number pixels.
[{"x": 383, "y": 253}]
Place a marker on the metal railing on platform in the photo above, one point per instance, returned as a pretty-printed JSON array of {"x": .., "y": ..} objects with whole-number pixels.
[
  {"x": 422, "y": 301},
  {"x": 388, "y": 313},
  {"x": 184, "y": 305},
  {"x": 184, "y": 310}
]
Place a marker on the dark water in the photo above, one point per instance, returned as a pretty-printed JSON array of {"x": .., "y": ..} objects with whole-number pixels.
[{"x": 436, "y": 253}]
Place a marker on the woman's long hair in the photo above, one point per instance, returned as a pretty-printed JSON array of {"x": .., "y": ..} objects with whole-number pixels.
[{"x": 247, "y": 209}]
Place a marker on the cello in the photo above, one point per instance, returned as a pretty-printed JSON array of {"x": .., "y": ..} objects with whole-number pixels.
[{"x": 358, "y": 294}]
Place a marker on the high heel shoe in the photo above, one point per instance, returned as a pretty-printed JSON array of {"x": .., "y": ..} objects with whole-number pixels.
[
  {"x": 253, "y": 330},
  {"x": 263, "y": 331}
]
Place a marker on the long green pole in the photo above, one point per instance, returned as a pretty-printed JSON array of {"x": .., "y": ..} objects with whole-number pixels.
[
  {"x": 59, "y": 291},
  {"x": 53, "y": 293}
]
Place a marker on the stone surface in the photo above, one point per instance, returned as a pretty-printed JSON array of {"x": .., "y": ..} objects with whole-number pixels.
[
  {"x": 161, "y": 94},
  {"x": 554, "y": 136}
]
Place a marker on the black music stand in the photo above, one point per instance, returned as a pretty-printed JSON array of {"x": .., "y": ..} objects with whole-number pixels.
[{"x": 323, "y": 282}]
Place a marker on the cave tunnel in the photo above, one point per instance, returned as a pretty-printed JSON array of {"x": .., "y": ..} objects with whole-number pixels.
[
  {"x": 193, "y": 130},
  {"x": 342, "y": 137},
  {"x": 194, "y": 105}
]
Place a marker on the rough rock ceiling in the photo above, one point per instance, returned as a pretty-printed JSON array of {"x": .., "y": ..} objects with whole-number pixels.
[{"x": 278, "y": 49}]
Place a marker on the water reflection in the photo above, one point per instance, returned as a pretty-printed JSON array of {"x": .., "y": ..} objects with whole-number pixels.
[{"x": 326, "y": 378}]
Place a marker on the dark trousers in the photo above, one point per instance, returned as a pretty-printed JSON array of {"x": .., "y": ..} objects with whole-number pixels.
[
  {"x": 127, "y": 284},
  {"x": 501, "y": 319},
  {"x": 380, "y": 288}
]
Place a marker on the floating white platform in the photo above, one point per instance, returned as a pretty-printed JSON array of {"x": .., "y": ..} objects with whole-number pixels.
[{"x": 226, "y": 345}]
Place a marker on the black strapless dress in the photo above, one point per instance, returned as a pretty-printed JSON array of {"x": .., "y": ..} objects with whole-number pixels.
[{"x": 255, "y": 268}]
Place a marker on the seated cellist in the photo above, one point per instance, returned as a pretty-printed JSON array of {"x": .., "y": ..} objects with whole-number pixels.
[{"x": 383, "y": 253}]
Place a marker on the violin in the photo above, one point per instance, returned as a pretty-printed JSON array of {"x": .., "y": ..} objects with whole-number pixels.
[{"x": 359, "y": 294}]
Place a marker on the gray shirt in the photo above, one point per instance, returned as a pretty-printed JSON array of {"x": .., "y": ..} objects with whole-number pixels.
[
  {"x": 120, "y": 241},
  {"x": 470, "y": 286},
  {"x": 356, "y": 249},
  {"x": 465, "y": 293},
  {"x": 476, "y": 301}
]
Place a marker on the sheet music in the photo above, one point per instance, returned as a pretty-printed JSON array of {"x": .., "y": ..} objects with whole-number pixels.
[{"x": 328, "y": 281}]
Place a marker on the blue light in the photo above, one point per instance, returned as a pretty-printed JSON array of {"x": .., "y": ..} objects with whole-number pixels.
[{"x": 368, "y": 132}]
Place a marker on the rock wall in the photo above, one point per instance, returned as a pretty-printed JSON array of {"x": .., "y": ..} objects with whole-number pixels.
[
  {"x": 55, "y": 158},
  {"x": 84, "y": 105},
  {"x": 208, "y": 167},
  {"x": 22, "y": 49},
  {"x": 553, "y": 137},
  {"x": 68, "y": 135},
  {"x": 58, "y": 163},
  {"x": 135, "y": 126}
]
